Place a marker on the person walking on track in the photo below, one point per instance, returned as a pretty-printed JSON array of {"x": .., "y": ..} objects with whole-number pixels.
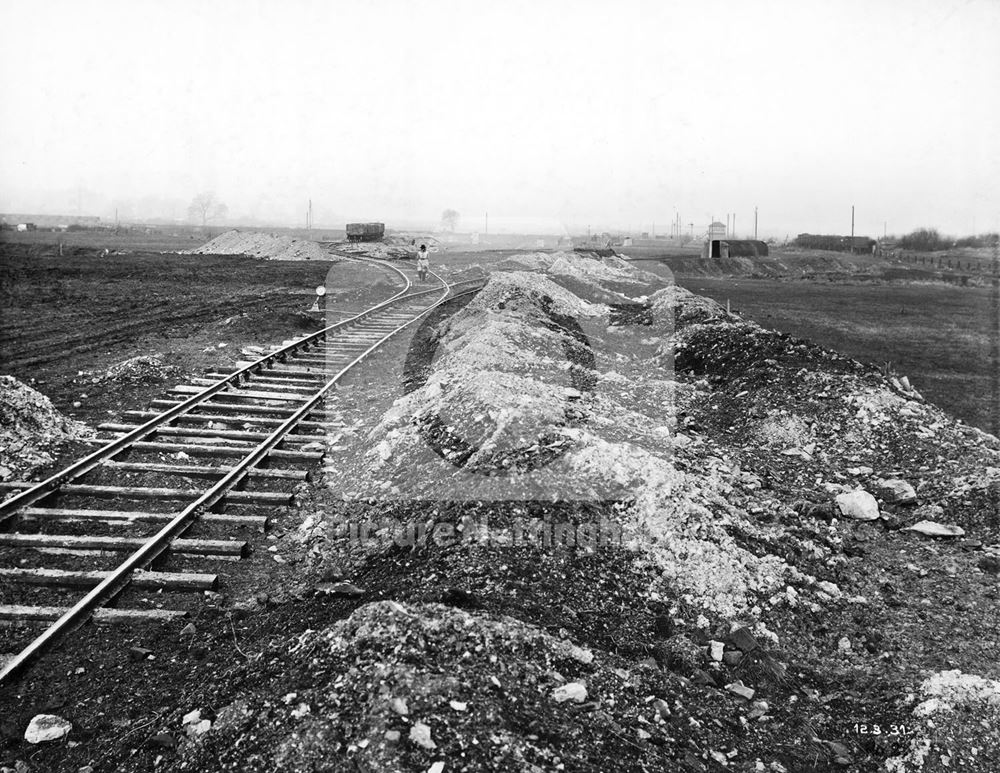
[{"x": 422, "y": 264}]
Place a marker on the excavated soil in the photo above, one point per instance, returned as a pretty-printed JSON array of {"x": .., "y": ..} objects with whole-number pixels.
[
  {"x": 742, "y": 620},
  {"x": 255, "y": 244}
]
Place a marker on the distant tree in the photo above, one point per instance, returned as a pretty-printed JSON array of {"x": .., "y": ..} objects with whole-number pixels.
[
  {"x": 205, "y": 207},
  {"x": 982, "y": 240},
  {"x": 925, "y": 240},
  {"x": 449, "y": 219}
]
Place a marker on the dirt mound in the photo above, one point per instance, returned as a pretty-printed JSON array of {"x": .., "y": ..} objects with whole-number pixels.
[
  {"x": 378, "y": 250},
  {"x": 30, "y": 427},
  {"x": 427, "y": 687},
  {"x": 591, "y": 276},
  {"x": 144, "y": 369},
  {"x": 512, "y": 409},
  {"x": 255, "y": 244},
  {"x": 527, "y": 261},
  {"x": 675, "y": 304},
  {"x": 954, "y": 709}
]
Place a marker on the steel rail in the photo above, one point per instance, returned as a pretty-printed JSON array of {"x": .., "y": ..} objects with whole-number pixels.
[
  {"x": 118, "y": 579},
  {"x": 9, "y": 508}
]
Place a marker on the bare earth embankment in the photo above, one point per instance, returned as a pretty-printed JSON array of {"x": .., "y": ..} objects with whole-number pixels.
[
  {"x": 939, "y": 335},
  {"x": 587, "y": 521}
]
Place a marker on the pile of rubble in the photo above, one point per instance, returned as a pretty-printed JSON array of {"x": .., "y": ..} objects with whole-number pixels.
[
  {"x": 954, "y": 709},
  {"x": 509, "y": 411},
  {"x": 427, "y": 687},
  {"x": 255, "y": 244},
  {"x": 30, "y": 428},
  {"x": 377, "y": 250},
  {"x": 136, "y": 371},
  {"x": 740, "y": 481}
]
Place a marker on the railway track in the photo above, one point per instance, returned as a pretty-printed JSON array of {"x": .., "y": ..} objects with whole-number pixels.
[{"x": 184, "y": 486}]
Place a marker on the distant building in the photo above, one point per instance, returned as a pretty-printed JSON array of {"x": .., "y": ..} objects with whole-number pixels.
[
  {"x": 48, "y": 221},
  {"x": 734, "y": 248}
]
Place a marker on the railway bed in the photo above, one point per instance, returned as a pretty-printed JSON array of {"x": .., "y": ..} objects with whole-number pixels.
[{"x": 149, "y": 522}]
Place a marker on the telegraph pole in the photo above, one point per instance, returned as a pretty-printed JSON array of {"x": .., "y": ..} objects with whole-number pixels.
[
  {"x": 487, "y": 229},
  {"x": 755, "y": 221},
  {"x": 852, "y": 221},
  {"x": 734, "y": 225}
]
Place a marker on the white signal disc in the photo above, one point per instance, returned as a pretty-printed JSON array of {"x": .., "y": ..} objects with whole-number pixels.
[{"x": 321, "y": 290}]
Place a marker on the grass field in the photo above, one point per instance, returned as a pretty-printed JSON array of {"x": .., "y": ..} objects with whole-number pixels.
[{"x": 938, "y": 335}]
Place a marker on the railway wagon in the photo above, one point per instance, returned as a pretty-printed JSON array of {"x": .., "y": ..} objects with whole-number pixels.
[{"x": 365, "y": 232}]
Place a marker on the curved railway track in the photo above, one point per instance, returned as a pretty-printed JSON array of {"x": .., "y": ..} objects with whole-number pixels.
[{"x": 251, "y": 434}]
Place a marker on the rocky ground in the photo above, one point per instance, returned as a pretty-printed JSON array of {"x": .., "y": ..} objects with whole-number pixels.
[{"x": 584, "y": 521}]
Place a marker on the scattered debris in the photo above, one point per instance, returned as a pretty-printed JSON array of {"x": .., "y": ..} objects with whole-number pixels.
[
  {"x": 339, "y": 589},
  {"x": 859, "y": 505},
  {"x": 896, "y": 490},
  {"x": 738, "y": 688},
  {"x": 44, "y": 728},
  {"x": 574, "y": 691},
  {"x": 935, "y": 529}
]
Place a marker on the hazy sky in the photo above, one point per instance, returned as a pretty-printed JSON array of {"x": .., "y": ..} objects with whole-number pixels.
[{"x": 615, "y": 114}]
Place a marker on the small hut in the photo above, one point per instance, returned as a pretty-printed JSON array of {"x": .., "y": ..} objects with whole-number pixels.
[{"x": 734, "y": 248}]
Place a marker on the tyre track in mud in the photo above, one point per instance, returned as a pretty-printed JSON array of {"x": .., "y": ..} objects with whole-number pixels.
[{"x": 39, "y": 352}]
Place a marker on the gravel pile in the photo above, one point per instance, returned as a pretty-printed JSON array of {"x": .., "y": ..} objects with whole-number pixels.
[
  {"x": 255, "y": 244},
  {"x": 377, "y": 250},
  {"x": 144, "y": 369},
  {"x": 507, "y": 412},
  {"x": 426, "y": 687},
  {"x": 30, "y": 428}
]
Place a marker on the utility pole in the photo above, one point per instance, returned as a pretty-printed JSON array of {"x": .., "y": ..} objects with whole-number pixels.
[
  {"x": 727, "y": 225},
  {"x": 852, "y": 221},
  {"x": 734, "y": 225},
  {"x": 885, "y": 226},
  {"x": 755, "y": 221},
  {"x": 692, "y": 229},
  {"x": 487, "y": 229}
]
